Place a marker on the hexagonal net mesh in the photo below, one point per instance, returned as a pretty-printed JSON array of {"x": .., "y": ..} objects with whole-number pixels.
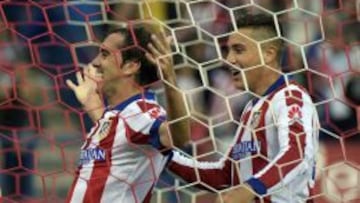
[{"x": 43, "y": 126}]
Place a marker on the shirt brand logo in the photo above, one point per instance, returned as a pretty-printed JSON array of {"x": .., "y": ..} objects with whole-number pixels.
[
  {"x": 242, "y": 149},
  {"x": 295, "y": 113},
  {"x": 93, "y": 154}
]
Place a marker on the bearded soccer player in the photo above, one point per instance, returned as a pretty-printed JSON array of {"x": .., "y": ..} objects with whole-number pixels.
[
  {"x": 125, "y": 152},
  {"x": 274, "y": 150}
]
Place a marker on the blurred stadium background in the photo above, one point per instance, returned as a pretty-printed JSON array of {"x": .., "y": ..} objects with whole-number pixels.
[{"x": 43, "y": 42}]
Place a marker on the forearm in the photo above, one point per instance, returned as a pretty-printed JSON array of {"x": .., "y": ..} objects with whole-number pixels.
[
  {"x": 215, "y": 174},
  {"x": 95, "y": 114},
  {"x": 176, "y": 109},
  {"x": 94, "y": 109}
]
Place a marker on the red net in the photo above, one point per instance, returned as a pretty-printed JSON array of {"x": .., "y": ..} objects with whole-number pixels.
[{"x": 43, "y": 126}]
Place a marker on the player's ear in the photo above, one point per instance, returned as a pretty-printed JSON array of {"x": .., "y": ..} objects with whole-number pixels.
[
  {"x": 269, "y": 52},
  {"x": 131, "y": 67}
]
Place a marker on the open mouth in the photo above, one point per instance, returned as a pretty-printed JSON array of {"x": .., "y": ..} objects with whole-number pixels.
[
  {"x": 96, "y": 72},
  {"x": 235, "y": 72},
  {"x": 99, "y": 72}
]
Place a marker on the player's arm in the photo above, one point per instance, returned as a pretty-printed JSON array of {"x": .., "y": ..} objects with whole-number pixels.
[
  {"x": 160, "y": 54},
  {"x": 295, "y": 126},
  {"x": 219, "y": 175},
  {"x": 215, "y": 174},
  {"x": 86, "y": 92}
]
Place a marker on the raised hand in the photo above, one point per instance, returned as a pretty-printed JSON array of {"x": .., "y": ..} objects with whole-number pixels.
[
  {"x": 160, "y": 54},
  {"x": 87, "y": 91},
  {"x": 86, "y": 87}
]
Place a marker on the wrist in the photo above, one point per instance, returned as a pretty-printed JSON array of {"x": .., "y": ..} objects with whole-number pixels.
[
  {"x": 170, "y": 76},
  {"x": 256, "y": 185},
  {"x": 92, "y": 105}
]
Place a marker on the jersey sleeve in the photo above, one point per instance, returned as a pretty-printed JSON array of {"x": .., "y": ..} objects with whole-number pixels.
[
  {"x": 295, "y": 119},
  {"x": 142, "y": 127},
  {"x": 219, "y": 174}
]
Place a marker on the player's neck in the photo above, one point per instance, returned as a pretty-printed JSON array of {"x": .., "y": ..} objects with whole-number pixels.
[
  {"x": 268, "y": 78},
  {"x": 119, "y": 93}
]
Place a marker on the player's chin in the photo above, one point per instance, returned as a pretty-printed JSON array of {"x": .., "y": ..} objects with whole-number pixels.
[
  {"x": 237, "y": 82},
  {"x": 99, "y": 86}
]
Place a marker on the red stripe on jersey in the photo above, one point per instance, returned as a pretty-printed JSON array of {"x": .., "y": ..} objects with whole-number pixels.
[
  {"x": 294, "y": 155},
  {"x": 88, "y": 140},
  {"x": 100, "y": 173},
  {"x": 148, "y": 195},
  {"x": 236, "y": 175},
  {"x": 311, "y": 194},
  {"x": 146, "y": 106},
  {"x": 258, "y": 162},
  {"x": 265, "y": 199},
  {"x": 86, "y": 145},
  {"x": 72, "y": 188},
  {"x": 293, "y": 97},
  {"x": 244, "y": 119},
  {"x": 136, "y": 137}
]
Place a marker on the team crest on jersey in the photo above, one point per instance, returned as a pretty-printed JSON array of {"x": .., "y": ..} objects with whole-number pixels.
[
  {"x": 154, "y": 112},
  {"x": 103, "y": 130},
  {"x": 255, "y": 119}
]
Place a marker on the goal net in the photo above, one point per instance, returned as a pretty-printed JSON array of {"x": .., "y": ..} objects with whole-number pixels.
[{"x": 44, "y": 42}]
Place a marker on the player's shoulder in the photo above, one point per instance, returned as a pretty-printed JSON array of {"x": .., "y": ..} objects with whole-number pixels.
[
  {"x": 144, "y": 104},
  {"x": 291, "y": 90}
]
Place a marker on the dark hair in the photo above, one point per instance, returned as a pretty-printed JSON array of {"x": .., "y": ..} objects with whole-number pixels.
[
  {"x": 264, "y": 26},
  {"x": 256, "y": 21},
  {"x": 134, "y": 48}
]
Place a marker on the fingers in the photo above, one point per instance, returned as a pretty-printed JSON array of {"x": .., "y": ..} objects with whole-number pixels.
[
  {"x": 87, "y": 73},
  {"x": 71, "y": 85},
  {"x": 90, "y": 73},
  {"x": 167, "y": 39},
  {"x": 150, "y": 58},
  {"x": 160, "y": 45},
  {"x": 79, "y": 78},
  {"x": 155, "y": 52}
]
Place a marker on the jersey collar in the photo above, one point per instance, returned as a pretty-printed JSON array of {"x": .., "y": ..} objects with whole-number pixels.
[
  {"x": 144, "y": 95},
  {"x": 278, "y": 83}
]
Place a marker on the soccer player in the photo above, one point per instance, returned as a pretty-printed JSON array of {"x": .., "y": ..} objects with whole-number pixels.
[
  {"x": 273, "y": 154},
  {"x": 125, "y": 152}
]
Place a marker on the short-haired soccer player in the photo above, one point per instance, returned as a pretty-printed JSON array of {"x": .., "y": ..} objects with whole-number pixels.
[
  {"x": 125, "y": 152},
  {"x": 273, "y": 153}
]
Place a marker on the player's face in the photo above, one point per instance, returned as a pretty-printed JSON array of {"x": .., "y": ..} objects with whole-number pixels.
[
  {"x": 109, "y": 61},
  {"x": 244, "y": 54}
]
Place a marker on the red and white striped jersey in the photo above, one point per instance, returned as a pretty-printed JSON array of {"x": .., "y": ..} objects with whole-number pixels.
[
  {"x": 121, "y": 158},
  {"x": 274, "y": 150}
]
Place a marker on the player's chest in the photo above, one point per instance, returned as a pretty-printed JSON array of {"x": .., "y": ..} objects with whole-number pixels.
[
  {"x": 255, "y": 116},
  {"x": 105, "y": 130},
  {"x": 250, "y": 133}
]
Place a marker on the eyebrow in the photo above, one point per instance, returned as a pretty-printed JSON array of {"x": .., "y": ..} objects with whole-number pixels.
[{"x": 237, "y": 46}]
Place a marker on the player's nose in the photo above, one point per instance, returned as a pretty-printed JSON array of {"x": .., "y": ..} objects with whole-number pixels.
[
  {"x": 230, "y": 58},
  {"x": 96, "y": 61}
]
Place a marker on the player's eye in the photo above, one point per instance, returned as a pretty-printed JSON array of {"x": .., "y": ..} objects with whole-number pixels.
[
  {"x": 238, "y": 49},
  {"x": 104, "y": 53}
]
